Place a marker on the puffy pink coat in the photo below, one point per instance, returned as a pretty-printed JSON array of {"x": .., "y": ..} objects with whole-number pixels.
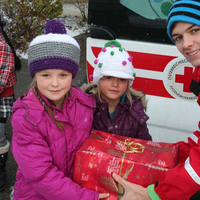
[{"x": 44, "y": 154}]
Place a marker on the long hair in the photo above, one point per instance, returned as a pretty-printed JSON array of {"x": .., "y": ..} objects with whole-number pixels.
[
  {"x": 59, "y": 124},
  {"x": 16, "y": 58}
]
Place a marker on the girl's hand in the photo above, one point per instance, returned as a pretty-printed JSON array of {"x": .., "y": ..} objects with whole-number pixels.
[
  {"x": 132, "y": 191},
  {"x": 103, "y": 195}
]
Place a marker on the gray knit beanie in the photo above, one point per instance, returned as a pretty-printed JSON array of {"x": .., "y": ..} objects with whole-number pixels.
[{"x": 54, "y": 50}]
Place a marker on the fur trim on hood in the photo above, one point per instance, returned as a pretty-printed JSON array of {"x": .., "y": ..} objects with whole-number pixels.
[{"x": 89, "y": 88}]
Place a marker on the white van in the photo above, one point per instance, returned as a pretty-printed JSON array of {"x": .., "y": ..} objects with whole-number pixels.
[{"x": 162, "y": 73}]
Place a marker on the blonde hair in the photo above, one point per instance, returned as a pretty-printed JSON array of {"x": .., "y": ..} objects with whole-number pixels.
[
  {"x": 59, "y": 124},
  {"x": 97, "y": 91}
]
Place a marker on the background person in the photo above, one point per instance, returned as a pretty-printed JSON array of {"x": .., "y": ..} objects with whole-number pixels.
[{"x": 9, "y": 64}]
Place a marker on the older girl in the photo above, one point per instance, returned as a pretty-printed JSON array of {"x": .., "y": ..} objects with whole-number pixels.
[{"x": 51, "y": 121}]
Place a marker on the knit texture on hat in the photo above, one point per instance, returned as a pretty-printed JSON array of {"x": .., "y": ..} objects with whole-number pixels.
[
  {"x": 113, "y": 60},
  {"x": 54, "y": 50},
  {"x": 185, "y": 11}
]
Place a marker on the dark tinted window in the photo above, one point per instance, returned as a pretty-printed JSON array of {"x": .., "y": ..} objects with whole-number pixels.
[{"x": 143, "y": 20}]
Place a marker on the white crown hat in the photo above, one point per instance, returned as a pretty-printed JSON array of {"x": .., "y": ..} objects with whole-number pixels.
[{"x": 113, "y": 60}]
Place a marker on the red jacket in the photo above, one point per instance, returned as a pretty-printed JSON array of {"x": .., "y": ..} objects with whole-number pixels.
[{"x": 184, "y": 180}]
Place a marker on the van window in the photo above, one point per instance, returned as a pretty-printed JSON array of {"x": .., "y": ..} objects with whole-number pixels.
[
  {"x": 141, "y": 20},
  {"x": 157, "y": 9}
]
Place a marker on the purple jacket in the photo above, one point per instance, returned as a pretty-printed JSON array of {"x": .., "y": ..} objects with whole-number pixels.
[
  {"x": 44, "y": 154},
  {"x": 128, "y": 120}
]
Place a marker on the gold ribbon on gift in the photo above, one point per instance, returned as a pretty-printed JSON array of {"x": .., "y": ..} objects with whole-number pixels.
[
  {"x": 133, "y": 147},
  {"x": 130, "y": 147}
]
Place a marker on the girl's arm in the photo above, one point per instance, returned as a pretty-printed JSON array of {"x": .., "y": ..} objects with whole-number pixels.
[
  {"x": 141, "y": 117},
  {"x": 143, "y": 132},
  {"x": 34, "y": 159}
]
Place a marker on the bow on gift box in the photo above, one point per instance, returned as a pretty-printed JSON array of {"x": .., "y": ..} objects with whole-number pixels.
[
  {"x": 128, "y": 147},
  {"x": 133, "y": 146}
]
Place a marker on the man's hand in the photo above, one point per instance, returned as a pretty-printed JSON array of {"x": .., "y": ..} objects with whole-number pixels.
[
  {"x": 132, "y": 191},
  {"x": 103, "y": 195}
]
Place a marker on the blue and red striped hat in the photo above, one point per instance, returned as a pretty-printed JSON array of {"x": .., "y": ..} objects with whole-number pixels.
[
  {"x": 54, "y": 50},
  {"x": 185, "y": 11}
]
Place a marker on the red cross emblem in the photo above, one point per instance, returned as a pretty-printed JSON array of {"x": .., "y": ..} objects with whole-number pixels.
[{"x": 185, "y": 79}]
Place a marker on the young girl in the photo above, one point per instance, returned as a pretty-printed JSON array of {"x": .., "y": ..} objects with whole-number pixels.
[
  {"x": 119, "y": 108},
  {"x": 51, "y": 121}
]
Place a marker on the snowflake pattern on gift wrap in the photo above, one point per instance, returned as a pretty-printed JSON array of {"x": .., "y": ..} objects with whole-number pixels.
[
  {"x": 84, "y": 177},
  {"x": 120, "y": 146},
  {"x": 162, "y": 163},
  {"x": 91, "y": 150},
  {"x": 155, "y": 144},
  {"x": 113, "y": 166},
  {"x": 90, "y": 165},
  {"x": 156, "y": 167},
  {"x": 100, "y": 155},
  {"x": 108, "y": 140}
]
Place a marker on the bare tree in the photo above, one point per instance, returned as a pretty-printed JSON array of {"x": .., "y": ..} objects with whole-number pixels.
[{"x": 82, "y": 6}]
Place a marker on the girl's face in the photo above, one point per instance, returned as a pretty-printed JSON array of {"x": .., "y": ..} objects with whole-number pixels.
[
  {"x": 112, "y": 88},
  {"x": 187, "y": 39},
  {"x": 54, "y": 84}
]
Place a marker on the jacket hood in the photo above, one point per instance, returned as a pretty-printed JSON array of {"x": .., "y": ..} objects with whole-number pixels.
[
  {"x": 89, "y": 88},
  {"x": 32, "y": 106}
]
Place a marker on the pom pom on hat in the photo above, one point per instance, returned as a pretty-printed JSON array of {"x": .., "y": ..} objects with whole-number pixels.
[
  {"x": 111, "y": 43},
  {"x": 55, "y": 26},
  {"x": 54, "y": 50},
  {"x": 113, "y": 60}
]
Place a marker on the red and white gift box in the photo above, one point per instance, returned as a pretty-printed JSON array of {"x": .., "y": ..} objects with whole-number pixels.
[{"x": 138, "y": 161}]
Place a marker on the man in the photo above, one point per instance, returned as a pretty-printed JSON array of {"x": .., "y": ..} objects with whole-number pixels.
[{"x": 184, "y": 180}]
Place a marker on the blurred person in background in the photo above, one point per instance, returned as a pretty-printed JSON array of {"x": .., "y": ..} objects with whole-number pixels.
[{"x": 9, "y": 64}]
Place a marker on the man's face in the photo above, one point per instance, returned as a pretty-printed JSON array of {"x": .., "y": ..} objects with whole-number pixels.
[{"x": 187, "y": 39}]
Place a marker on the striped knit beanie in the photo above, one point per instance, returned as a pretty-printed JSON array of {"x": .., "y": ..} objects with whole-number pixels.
[
  {"x": 54, "y": 50},
  {"x": 113, "y": 60},
  {"x": 185, "y": 11}
]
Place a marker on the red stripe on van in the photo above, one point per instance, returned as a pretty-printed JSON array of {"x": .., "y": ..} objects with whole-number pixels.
[
  {"x": 96, "y": 51},
  {"x": 151, "y": 87},
  {"x": 90, "y": 70},
  {"x": 146, "y": 61}
]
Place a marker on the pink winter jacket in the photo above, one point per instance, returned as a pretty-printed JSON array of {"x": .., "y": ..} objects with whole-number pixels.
[{"x": 44, "y": 154}]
